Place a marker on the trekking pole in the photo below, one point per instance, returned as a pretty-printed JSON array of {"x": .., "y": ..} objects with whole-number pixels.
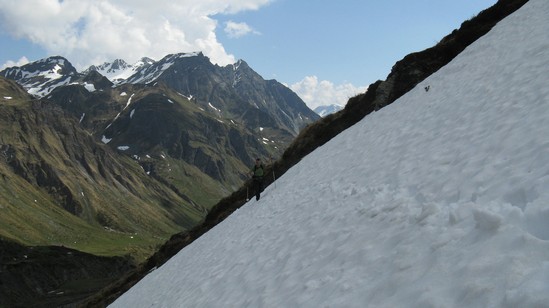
[
  {"x": 247, "y": 199},
  {"x": 272, "y": 168}
]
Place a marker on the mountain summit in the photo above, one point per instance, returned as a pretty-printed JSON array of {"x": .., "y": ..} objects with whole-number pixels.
[
  {"x": 42, "y": 76},
  {"x": 118, "y": 71}
]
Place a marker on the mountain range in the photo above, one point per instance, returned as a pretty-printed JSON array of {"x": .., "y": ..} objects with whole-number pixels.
[
  {"x": 113, "y": 167},
  {"x": 187, "y": 123},
  {"x": 158, "y": 109},
  {"x": 327, "y": 110}
]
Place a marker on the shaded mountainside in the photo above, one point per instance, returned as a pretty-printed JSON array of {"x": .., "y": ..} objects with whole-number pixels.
[
  {"x": 235, "y": 91},
  {"x": 405, "y": 75},
  {"x": 174, "y": 138},
  {"x": 184, "y": 113},
  {"x": 52, "y": 276}
]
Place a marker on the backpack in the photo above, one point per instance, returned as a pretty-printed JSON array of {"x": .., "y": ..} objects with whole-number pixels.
[{"x": 259, "y": 167}]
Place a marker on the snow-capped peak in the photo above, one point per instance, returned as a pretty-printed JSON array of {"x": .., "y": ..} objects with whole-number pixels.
[
  {"x": 150, "y": 73},
  {"x": 118, "y": 70},
  {"x": 41, "y": 77},
  {"x": 327, "y": 110}
]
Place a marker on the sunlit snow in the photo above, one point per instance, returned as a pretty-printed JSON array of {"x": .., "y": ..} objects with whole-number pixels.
[
  {"x": 105, "y": 140},
  {"x": 129, "y": 101},
  {"x": 212, "y": 106},
  {"x": 89, "y": 86}
]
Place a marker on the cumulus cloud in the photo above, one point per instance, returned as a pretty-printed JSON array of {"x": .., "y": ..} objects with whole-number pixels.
[
  {"x": 238, "y": 29},
  {"x": 317, "y": 93},
  {"x": 92, "y": 31},
  {"x": 19, "y": 62}
]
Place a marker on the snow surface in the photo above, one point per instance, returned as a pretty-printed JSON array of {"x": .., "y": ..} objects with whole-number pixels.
[
  {"x": 212, "y": 106},
  {"x": 438, "y": 200},
  {"x": 105, "y": 140},
  {"x": 89, "y": 86},
  {"x": 42, "y": 89},
  {"x": 129, "y": 101}
]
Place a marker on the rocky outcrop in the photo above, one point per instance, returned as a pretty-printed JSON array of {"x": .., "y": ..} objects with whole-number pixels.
[{"x": 98, "y": 81}]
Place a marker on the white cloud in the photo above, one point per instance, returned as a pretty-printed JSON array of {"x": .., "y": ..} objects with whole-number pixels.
[
  {"x": 238, "y": 29},
  {"x": 20, "y": 62},
  {"x": 92, "y": 31},
  {"x": 320, "y": 93}
]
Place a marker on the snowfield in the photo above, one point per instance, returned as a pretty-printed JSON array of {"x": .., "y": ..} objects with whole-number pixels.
[{"x": 438, "y": 200}]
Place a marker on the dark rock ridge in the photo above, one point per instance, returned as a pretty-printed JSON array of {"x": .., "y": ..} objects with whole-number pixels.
[{"x": 236, "y": 91}]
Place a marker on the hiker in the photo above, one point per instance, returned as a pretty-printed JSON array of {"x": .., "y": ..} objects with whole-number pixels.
[{"x": 257, "y": 172}]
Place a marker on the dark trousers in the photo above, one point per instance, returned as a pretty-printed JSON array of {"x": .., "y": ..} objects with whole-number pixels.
[{"x": 258, "y": 186}]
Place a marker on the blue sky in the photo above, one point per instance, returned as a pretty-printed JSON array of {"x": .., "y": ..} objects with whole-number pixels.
[{"x": 326, "y": 51}]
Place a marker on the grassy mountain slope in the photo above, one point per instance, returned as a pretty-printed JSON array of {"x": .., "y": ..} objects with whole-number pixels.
[{"x": 63, "y": 187}]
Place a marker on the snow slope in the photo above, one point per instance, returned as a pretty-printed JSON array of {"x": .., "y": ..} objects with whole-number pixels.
[{"x": 438, "y": 200}]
